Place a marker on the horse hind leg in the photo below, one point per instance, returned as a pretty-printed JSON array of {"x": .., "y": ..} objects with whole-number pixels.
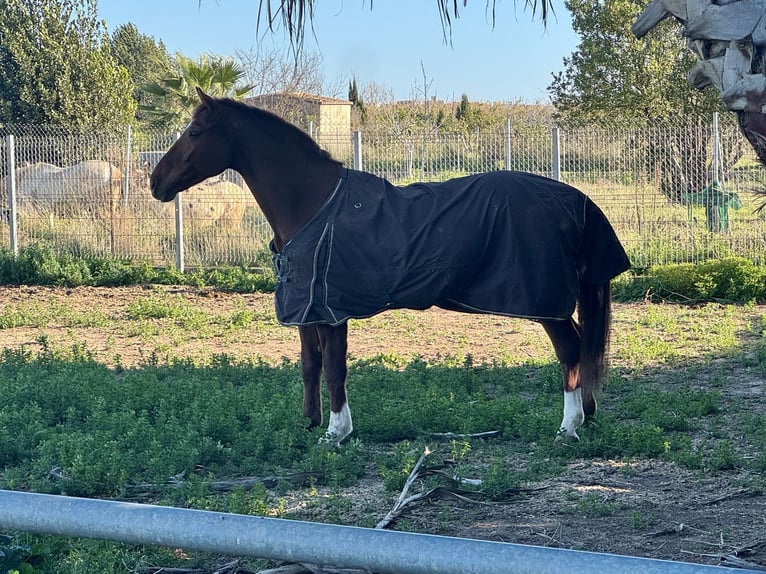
[{"x": 565, "y": 337}]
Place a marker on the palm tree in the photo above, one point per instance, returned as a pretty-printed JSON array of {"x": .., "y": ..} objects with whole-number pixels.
[{"x": 176, "y": 95}]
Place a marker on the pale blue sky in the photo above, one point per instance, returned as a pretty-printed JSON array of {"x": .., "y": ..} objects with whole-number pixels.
[{"x": 514, "y": 61}]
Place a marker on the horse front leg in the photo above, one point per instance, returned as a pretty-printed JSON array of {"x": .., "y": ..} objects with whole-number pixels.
[
  {"x": 565, "y": 337},
  {"x": 333, "y": 342},
  {"x": 311, "y": 371}
]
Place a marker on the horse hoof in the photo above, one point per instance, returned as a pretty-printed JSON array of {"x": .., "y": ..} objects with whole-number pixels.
[
  {"x": 329, "y": 440},
  {"x": 566, "y": 437}
]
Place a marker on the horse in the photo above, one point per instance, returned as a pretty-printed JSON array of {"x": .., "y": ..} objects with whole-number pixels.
[
  {"x": 348, "y": 244},
  {"x": 45, "y": 186}
]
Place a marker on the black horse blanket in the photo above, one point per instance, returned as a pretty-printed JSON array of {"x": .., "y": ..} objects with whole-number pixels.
[{"x": 506, "y": 243}]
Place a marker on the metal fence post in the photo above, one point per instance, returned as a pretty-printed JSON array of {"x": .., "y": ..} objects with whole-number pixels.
[
  {"x": 555, "y": 154},
  {"x": 179, "y": 228},
  {"x": 358, "y": 163},
  {"x": 716, "y": 148},
  {"x": 12, "y": 205},
  {"x": 508, "y": 143},
  {"x": 128, "y": 144}
]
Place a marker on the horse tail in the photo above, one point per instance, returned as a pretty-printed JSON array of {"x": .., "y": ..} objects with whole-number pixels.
[{"x": 594, "y": 317}]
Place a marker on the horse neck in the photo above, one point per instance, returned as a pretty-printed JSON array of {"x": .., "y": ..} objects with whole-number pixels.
[{"x": 288, "y": 197}]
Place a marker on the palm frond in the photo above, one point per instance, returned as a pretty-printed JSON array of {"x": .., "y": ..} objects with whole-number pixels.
[{"x": 295, "y": 15}]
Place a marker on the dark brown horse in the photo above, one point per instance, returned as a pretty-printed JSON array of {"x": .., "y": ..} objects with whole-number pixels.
[{"x": 349, "y": 244}]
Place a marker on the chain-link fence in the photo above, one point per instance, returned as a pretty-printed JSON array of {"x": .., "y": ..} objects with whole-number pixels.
[{"x": 674, "y": 193}]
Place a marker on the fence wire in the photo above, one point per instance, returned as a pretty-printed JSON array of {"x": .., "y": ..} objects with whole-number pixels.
[{"x": 682, "y": 192}]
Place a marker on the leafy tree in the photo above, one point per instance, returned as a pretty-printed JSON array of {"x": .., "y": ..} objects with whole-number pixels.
[
  {"x": 56, "y": 67},
  {"x": 472, "y": 117},
  {"x": 176, "y": 96},
  {"x": 353, "y": 91},
  {"x": 146, "y": 60},
  {"x": 613, "y": 75},
  {"x": 463, "y": 109}
]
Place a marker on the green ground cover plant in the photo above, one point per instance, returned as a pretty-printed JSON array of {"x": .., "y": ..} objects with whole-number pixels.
[{"x": 69, "y": 425}]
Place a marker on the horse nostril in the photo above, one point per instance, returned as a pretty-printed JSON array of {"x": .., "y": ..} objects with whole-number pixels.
[{"x": 153, "y": 187}]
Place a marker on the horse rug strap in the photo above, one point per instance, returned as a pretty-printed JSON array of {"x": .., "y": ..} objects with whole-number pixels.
[{"x": 506, "y": 243}]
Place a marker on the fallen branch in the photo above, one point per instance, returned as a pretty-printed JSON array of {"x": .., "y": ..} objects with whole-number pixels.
[
  {"x": 146, "y": 489},
  {"x": 606, "y": 484},
  {"x": 552, "y": 538},
  {"x": 228, "y": 568},
  {"x": 402, "y": 501},
  {"x": 287, "y": 569},
  {"x": 232, "y": 568},
  {"x": 730, "y": 495},
  {"x": 677, "y": 529},
  {"x": 163, "y": 570},
  {"x": 734, "y": 562},
  {"x": 749, "y": 548},
  {"x": 449, "y": 435},
  {"x": 469, "y": 496},
  {"x": 311, "y": 569}
]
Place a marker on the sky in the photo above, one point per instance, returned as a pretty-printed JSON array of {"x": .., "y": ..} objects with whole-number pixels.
[{"x": 392, "y": 45}]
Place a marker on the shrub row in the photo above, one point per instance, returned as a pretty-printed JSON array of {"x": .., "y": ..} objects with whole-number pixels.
[
  {"x": 732, "y": 279},
  {"x": 40, "y": 265}
]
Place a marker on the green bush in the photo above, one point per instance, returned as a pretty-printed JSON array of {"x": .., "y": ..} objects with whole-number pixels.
[
  {"x": 732, "y": 279},
  {"x": 40, "y": 265}
]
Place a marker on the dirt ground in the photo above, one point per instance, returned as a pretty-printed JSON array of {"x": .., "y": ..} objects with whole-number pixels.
[{"x": 657, "y": 509}]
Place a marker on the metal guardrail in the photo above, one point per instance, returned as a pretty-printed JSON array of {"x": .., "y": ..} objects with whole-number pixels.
[{"x": 381, "y": 551}]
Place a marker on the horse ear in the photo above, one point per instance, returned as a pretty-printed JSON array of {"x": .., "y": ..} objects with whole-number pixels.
[{"x": 203, "y": 96}]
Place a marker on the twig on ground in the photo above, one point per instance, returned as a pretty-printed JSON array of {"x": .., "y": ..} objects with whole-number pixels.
[
  {"x": 163, "y": 570},
  {"x": 449, "y": 435},
  {"x": 607, "y": 484},
  {"x": 232, "y": 568},
  {"x": 403, "y": 500},
  {"x": 677, "y": 529},
  {"x": 286, "y": 569},
  {"x": 228, "y": 568},
  {"x": 750, "y": 547},
  {"x": 312, "y": 569},
  {"x": 552, "y": 538},
  {"x": 734, "y": 562},
  {"x": 146, "y": 489},
  {"x": 469, "y": 496},
  {"x": 727, "y": 560},
  {"x": 730, "y": 495}
]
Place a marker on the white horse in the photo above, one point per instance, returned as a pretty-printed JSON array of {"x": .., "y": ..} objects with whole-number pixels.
[{"x": 45, "y": 186}]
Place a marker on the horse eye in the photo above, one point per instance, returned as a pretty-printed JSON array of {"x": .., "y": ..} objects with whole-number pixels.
[{"x": 193, "y": 133}]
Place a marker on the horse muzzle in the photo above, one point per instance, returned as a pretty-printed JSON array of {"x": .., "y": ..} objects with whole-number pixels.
[{"x": 161, "y": 193}]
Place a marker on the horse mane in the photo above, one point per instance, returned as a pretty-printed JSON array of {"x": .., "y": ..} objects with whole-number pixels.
[{"x": 276, "y": 124}]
